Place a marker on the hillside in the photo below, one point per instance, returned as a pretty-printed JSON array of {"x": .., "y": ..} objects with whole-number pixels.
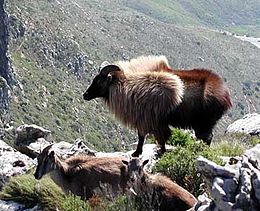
[
  {"x": 238, "y": 16},
  {"x": 56, "y": 47}
]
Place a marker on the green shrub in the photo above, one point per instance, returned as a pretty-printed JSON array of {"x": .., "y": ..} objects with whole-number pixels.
[
  {"x": 255, "y": 140},
  {"x": 30, "y": 192},
  {"x": 26, "y": 190},
  {"x": 73, "y": 202},
  {"x": 179, "y": 138},
  {"x": 228, "y": 149},
  {"x": 179, "y": 165},
  {"x": 122, "y": 203}
]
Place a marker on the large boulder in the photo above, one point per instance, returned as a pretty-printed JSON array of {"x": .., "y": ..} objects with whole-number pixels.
[
  {"x": 249, "y": 124},
  {"x": 31, "y": 139},
  {"x": 12, "y": 163},
  {"x": 13, "y": 206},
  {"x": 30, "y": 132}
]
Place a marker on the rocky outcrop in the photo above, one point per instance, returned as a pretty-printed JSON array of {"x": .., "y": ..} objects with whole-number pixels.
[
  {"x": 249, "y": 124},
  {"x": 30, "y": 139},
  {"x": 236, "y": 186},
  {"x": 10, "y": 206},
  {"x": 6, "y": 78},
  {"x": 13, "y": 206},
  {"x": 12, "y": 163},
  {"x": 4, "y": 60}
]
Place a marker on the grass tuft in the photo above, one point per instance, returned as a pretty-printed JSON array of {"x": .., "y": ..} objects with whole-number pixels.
[{"x": 26, "y": 190}]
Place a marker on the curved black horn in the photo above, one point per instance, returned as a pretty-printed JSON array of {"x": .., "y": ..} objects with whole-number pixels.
[
  {"x": 46, "y": 149},
  {"x": 104, "y": 64},
  {"x": 109, "y": 68}
]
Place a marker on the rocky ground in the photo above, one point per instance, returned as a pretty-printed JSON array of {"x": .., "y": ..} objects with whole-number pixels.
[{"x": 235, "y": 186}]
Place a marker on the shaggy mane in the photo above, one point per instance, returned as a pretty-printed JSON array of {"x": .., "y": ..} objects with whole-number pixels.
[
  {"x": 138, "y": 107},
  {"x": 213, "y": 84},
  {"x": 144, "y": 64}
]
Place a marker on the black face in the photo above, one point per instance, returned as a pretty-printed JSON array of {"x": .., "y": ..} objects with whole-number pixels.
[
  {"x": 98, "y": 88},
  {"x": 100, "y": 84}
]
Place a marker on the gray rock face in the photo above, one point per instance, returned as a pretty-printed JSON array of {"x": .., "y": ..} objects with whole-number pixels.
[
  {"x": 10, "y": 206},
  {"x": 13, "y": 206},
  {"x": 16, "y": 27},
  {"x": 232, "y": 187},
  {"x": 30, "y": 139},
  {"x": 31, "y": 132},
  {"x": 6, "y": 78},
  {"x": 253, "y": 156},
  {"x": 4, "y": 95},
  {"x": 12, "y": 163},
  {"x": 249, "y": 124}
]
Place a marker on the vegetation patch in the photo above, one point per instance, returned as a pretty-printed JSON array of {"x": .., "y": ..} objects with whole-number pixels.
[
  {"x": 179, "y": 165},
  {"x": 26, "y": 190},
  {"x": 45, "y": 193}
]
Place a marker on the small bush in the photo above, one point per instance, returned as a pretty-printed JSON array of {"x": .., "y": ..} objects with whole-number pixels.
[
  {"x": 255, "y": 140},
  {"x": 179, "y": 138},
  {"x": 122, "y": 203},
  {"x": 30, "y": 192},
  {"x": 227, "y": 149},
  {"x": 179, "y": 165},
  {"x": 73, "y": 202},
  {"x": 26, "y": 190}
]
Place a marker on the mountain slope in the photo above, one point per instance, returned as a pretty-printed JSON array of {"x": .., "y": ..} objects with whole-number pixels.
[
  {"x": 238, "y": 16},
  {"x": 56, "y": 47}
]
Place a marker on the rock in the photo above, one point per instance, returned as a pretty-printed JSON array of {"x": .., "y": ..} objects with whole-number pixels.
[
  {"x": 34, "y": 148},
  {"x": 256, "y": 185},
  {"x": 80, "y": 147},
  {"x": 63, "y": 149},
  {"x": 30, "y": 132},
  {"x": 4, "y": 95},
  {"x": 244, "y": 195},
  {"x": 16, "y": 27},
  {"x": 230, "y": 188},
  {"x": 6, "y": 76},
  {"x": 253, "y": 156},
  {"x": 12, "y": 163},
  {"x": 10, "y": 206},
  {"x": 13, "y": 206},
  {"x": 249, "y": 124},
  {"x": 212, "y": 170},
  {"x": 90, "y": 62},
  {"x": 30, "y": 139},
  {"x": 204, "y": 203}
]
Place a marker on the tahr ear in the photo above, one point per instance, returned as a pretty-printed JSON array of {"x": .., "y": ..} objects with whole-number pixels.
[{"x": 109, "y": 77}]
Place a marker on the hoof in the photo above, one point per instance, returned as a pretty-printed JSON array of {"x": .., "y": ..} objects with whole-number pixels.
[
  {"x": 160, "y": 153},
  {"x": 136, "y": 154}
]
